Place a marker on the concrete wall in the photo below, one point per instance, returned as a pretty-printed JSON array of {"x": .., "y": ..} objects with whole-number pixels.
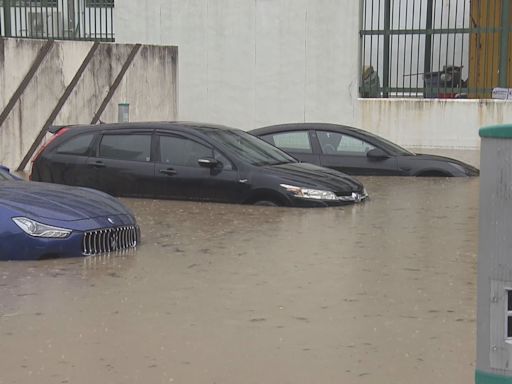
[
  {"x": 250, "y": 63},
  {"x": 149, "y": 86},
  {"x": 432, "y": 123}
]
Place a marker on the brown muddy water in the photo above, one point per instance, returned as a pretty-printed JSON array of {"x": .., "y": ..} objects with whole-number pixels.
[{"x": 381, "y": 292}]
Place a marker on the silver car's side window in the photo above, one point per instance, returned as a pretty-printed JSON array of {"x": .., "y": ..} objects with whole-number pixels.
[
  {"x": 334, "y": 143},
  {"x": 296, "y": 141}
]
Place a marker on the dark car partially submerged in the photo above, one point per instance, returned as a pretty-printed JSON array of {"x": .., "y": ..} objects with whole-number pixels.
[
  {"x": 189, "y": 161},
  {"x": 357, "y": 152}
]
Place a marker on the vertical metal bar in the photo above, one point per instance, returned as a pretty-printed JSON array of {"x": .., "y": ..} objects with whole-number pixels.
[
  {"x": 64, "y": 32},
  {"x": 462, "y": 45},
  {"x": 371, "y": 36},
  {"x": 89, "y": 26},
  {"x": 55, "y": 9},
  {"x": 26, "y": 21},
  {"x": 93, "y": 7},
  {"x": 362, "y": 47},
  {"x": 448, "y": 44},
  {"x": 505, "y": 39},
  {"x": 101, "y": 21},
  {"x": 385, "y": 60},
  {"x": 112, "y": 21},
  {"x": 47, "y": 18},
  {"x": 377, "y": 69},
  {"x": 411, "y": 49},
  {"x": 418, "y": 50},
  {"x": 7, "y": 17},
  {"x": 405, "y": 46},
  {"x": 42, "y": 18},
  {"x": 428, "y": 37},
  {"x": 398, "y": 44},
  {"x": 455, "y": 42},
  {"x": 440, "y": 47},
  {"x": 16, "y": 11},
  {"x": 495, "y": 27},
  {"x": 84, "y": 20},
  {"x": 488, "y": 36}
]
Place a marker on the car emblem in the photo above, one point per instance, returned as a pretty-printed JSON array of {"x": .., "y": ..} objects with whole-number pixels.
[{"x": 111, "y": 221}]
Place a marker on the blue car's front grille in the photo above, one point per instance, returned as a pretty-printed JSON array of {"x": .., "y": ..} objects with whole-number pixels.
[{"x": 109, "y": 240}]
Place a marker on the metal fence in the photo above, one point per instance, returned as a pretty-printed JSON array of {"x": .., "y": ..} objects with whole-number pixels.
[
  {"x": 58, "y": 19},
  {"x": 436, "y": 48}
]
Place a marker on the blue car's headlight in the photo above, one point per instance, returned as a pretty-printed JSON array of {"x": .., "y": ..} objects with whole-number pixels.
[{"x": 34, "y": 228}]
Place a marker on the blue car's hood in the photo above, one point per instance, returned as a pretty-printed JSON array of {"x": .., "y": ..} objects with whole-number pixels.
[{"x": 57, "y": 202}]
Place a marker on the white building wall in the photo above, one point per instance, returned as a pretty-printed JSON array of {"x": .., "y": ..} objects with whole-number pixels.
[{"x": 250, "y": 63}]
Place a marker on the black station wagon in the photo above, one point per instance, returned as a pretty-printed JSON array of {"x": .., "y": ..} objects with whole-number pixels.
[{"x": 188, "y": 161}]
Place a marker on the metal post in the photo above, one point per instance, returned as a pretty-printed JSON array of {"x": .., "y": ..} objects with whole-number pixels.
[
  {"x": 387, "y": 37},
  {"x": 494, "y": 270},
  {"x": 123, "y": 112},
  {"x": 71, "y": 18},
  {"x": 7, "y": 18},
  {"x": 428, "y": 37},
  {"x": 505, "y": 37}
]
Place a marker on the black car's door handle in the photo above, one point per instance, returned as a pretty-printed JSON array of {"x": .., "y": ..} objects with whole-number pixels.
[
  {"x": 98, "y": 164},
  {"x": 168, "y": 171}
]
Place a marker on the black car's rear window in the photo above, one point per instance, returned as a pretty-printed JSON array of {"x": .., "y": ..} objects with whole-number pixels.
[{"x": 78, "y": 145}]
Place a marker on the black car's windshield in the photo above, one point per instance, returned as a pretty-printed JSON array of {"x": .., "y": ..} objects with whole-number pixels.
[{"x": 250, "y": 148}]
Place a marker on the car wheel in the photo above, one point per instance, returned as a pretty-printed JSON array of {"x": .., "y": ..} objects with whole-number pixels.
[{"x": 266, "y": 203}]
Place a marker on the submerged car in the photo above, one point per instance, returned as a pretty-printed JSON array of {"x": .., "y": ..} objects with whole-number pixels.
[
  {"x": 357, "y": 152},
  {"x": 5, "y": 174},
  {"x": 188, "y": 161},
  {"x": 40, "y": 220}
]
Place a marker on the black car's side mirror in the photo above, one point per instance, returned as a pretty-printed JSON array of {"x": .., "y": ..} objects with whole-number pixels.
[
  {"x": 208, "y": 162},
  {"x": 377, "y": 154}
]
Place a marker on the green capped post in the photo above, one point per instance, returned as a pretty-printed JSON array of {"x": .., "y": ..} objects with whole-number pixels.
[{"x": 494, "y": 273}]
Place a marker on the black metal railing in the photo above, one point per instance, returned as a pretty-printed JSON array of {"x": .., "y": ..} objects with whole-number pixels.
[
  {"x": 435, "y": 48},
  {"x": 58, "y": 19}
]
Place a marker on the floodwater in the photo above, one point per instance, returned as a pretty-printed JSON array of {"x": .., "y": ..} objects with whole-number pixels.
[{"x": 381, "y": 292}]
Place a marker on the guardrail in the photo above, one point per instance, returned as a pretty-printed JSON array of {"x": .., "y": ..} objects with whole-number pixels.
[{"x": 58, "y": 19}]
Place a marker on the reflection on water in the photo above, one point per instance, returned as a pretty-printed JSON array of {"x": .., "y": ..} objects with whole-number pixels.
[{"x": 379, "y": 292}]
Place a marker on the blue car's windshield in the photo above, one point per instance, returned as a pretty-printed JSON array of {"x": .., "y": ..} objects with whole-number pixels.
[{"x": 249, "y": 148}]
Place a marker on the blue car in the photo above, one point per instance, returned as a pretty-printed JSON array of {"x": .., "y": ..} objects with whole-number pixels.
[
  {"x": 5, "y": 174},
  {"x": 39, "y": 221}
]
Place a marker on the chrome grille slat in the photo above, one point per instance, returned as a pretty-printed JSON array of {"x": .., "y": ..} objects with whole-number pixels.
[{"x": 108, "y": 240}]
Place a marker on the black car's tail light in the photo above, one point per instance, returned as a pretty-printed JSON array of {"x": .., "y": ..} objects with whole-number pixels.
[
  {"x": 110, "y": 240},
  {"x": 60, "y": 132}
]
